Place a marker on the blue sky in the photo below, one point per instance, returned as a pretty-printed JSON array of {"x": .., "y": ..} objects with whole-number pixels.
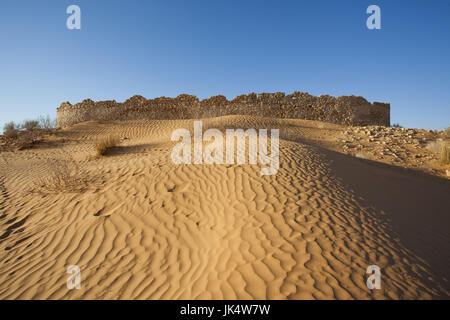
[{"x": 209, "y": 47}]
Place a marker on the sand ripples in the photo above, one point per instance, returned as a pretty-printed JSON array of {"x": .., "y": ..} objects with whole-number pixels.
[{"x": 148, "y": 229}]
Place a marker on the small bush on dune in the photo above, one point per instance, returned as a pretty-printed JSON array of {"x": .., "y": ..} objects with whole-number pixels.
[
  {"x": 447, "y": 132},
  {"x": 434, "y": 146},
  {"x": 10, "y": 130},
  {"x": 104, "y": 144},
  {"x": 441, "y": 149},
  {"x": 45, "y": 122},
  {"x": 21, "y": 140},
  {"x": 445, "y": 154},
  {"x": 61, "y": 176},
  {"x": 28, "y": 133},
  {"x": 24, "y": 141},
  {"x": 31, "y": 124},
  {"x": 363, "y": 155}
]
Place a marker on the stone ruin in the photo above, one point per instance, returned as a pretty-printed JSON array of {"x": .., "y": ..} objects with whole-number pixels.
[{"x": 345, "y": 110}]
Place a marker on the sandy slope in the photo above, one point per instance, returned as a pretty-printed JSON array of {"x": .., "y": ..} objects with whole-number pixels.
[{"x": 148, "y": 229}]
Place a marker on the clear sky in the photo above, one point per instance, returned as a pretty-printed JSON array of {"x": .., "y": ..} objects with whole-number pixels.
[{"x": 209, "y": 47}]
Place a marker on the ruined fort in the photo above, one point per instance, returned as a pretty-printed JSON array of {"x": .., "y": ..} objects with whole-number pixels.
[{"x": 346, "y": 110}]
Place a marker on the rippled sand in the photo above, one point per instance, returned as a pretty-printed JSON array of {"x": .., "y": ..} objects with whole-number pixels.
[{"x": 146, "y": 228}]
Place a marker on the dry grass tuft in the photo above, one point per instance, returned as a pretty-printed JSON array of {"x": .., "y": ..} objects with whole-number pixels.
[
  {"x": 441, "y": 149},
  {"x": 445, "y": 154},
  {"x": 363, "y": 155},
  {"x": 104, "y": 144},
  {"x": 62, "y": 176},
  {"x": 447, "y": 132}
]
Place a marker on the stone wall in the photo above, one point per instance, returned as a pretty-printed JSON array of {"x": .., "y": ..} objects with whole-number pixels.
[{"x": 346, "y": 110}]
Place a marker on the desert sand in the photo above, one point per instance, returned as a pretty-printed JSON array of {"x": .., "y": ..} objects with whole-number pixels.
[{"x": 145, "y": 228}]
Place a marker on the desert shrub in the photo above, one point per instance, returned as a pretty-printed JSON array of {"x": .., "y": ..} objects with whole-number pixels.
[
  {"x": 363, "y": 155},
  {"x": 61, "y": 176},
  {"x": 45, "y": 122},
  {"x": 447, "y": 132},
  {"x": 445, "y": 154},
  {"x": 30, "y": 124},
  {"x": 441, "y": 149},
  {"x": 103, "y": 144},
  {"x": 10, "y": 130},
  {"x": 289, "y": 134},
  {"x": 434, "y": 146},
  {"x": 397, "y": 125},
  {"x": 24, "y": 141}
]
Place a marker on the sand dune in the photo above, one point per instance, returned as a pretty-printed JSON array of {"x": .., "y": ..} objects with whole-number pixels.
[{"x": 145, "y": 228}]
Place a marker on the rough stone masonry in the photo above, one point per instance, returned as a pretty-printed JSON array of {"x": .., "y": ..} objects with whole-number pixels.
[{"x": 345, "y": 110}]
